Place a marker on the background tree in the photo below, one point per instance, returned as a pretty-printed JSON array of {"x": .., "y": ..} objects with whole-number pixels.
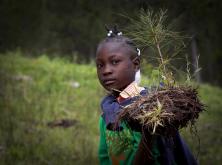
[{"x": 73, "y": 28}]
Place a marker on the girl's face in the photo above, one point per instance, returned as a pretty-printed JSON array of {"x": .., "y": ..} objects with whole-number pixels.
[{"x": 115, "y": 67}]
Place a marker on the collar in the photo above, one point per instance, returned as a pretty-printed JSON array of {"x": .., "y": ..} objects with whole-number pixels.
[{"x": 130, "y": 91}]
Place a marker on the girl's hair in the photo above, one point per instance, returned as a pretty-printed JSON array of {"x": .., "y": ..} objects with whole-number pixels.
[{"x": 114, "y": 35}]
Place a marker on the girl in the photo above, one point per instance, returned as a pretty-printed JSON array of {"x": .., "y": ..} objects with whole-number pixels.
[{"x": 118, "y": 64}]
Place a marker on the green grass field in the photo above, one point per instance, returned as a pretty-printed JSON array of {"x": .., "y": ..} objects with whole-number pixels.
[{"x": 50, "y": 109}]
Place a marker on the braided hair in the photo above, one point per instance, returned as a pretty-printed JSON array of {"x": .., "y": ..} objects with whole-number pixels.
[{"x": 114, "y": 35}]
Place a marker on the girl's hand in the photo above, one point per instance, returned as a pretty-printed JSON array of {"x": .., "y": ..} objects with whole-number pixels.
[{"x": 143, "y": 155}]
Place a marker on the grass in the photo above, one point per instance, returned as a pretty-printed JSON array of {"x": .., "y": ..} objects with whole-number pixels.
[
  {"x": 206, "y": 143},
  {"x": 36, "y": 91}
]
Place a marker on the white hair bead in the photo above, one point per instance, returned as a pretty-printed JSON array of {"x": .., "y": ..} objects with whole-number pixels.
[
  {"x": 109, "y": 33},
  {"x": 138, "y": 51},
  {"x": 120, "y": 33}
]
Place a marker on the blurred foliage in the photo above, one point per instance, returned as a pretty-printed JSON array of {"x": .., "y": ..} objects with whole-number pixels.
[
  {"x": 73, "y": 28},
  {"x": 206, "y": 141},
  {"x": 37, "y": 91}
]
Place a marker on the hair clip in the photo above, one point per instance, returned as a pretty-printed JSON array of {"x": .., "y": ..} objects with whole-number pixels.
[
  {"x": 109, "y": 33},
  {"x": 138, "y": 51},
  {"x": 119, "y": 33}
]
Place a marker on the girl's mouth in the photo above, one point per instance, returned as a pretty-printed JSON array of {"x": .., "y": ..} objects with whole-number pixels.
[{"x": 109, "y": 82}]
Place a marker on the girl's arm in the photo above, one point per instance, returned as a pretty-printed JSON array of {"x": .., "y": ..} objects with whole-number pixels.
[
  {"x": 147, "y": 152},
  {"x": 103, "y": 150}
]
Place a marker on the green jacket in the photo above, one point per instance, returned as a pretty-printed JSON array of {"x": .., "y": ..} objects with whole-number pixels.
[
  {"x": 120, "y": 147},
  {"x": 117, "y": 147}
]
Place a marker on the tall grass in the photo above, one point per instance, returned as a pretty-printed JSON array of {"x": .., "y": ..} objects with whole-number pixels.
[
  {"x": 37, "y": 91},
  {"x": 207, "y": 141}
]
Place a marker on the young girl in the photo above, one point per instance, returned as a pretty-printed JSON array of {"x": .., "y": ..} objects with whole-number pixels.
[{"x": 118, "y": 64}]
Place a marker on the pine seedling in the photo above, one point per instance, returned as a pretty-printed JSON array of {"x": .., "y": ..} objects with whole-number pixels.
[
  {"x": 150, "y": 30},
  {"x": 171, "y": 107}
]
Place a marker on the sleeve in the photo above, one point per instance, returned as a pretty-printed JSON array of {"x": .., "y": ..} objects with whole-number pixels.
[
  {"x": 103, "y": 150},
  {"x": 182, "y": 153},
  {"x": 175, "y": 151}
]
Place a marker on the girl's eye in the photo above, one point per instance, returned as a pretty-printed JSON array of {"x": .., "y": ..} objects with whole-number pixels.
[
  {"x": 99, "y": 66},
  {"x": 114, "y": 62}
]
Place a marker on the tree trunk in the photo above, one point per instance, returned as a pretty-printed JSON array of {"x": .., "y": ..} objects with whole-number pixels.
[{"x": 195, "y": 63}]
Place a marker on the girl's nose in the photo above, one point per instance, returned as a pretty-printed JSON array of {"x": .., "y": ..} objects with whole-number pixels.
[{"x": 107, "y": 70}]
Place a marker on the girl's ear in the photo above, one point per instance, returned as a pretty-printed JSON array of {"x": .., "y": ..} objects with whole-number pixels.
[{"x": 136, "y": 62}]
